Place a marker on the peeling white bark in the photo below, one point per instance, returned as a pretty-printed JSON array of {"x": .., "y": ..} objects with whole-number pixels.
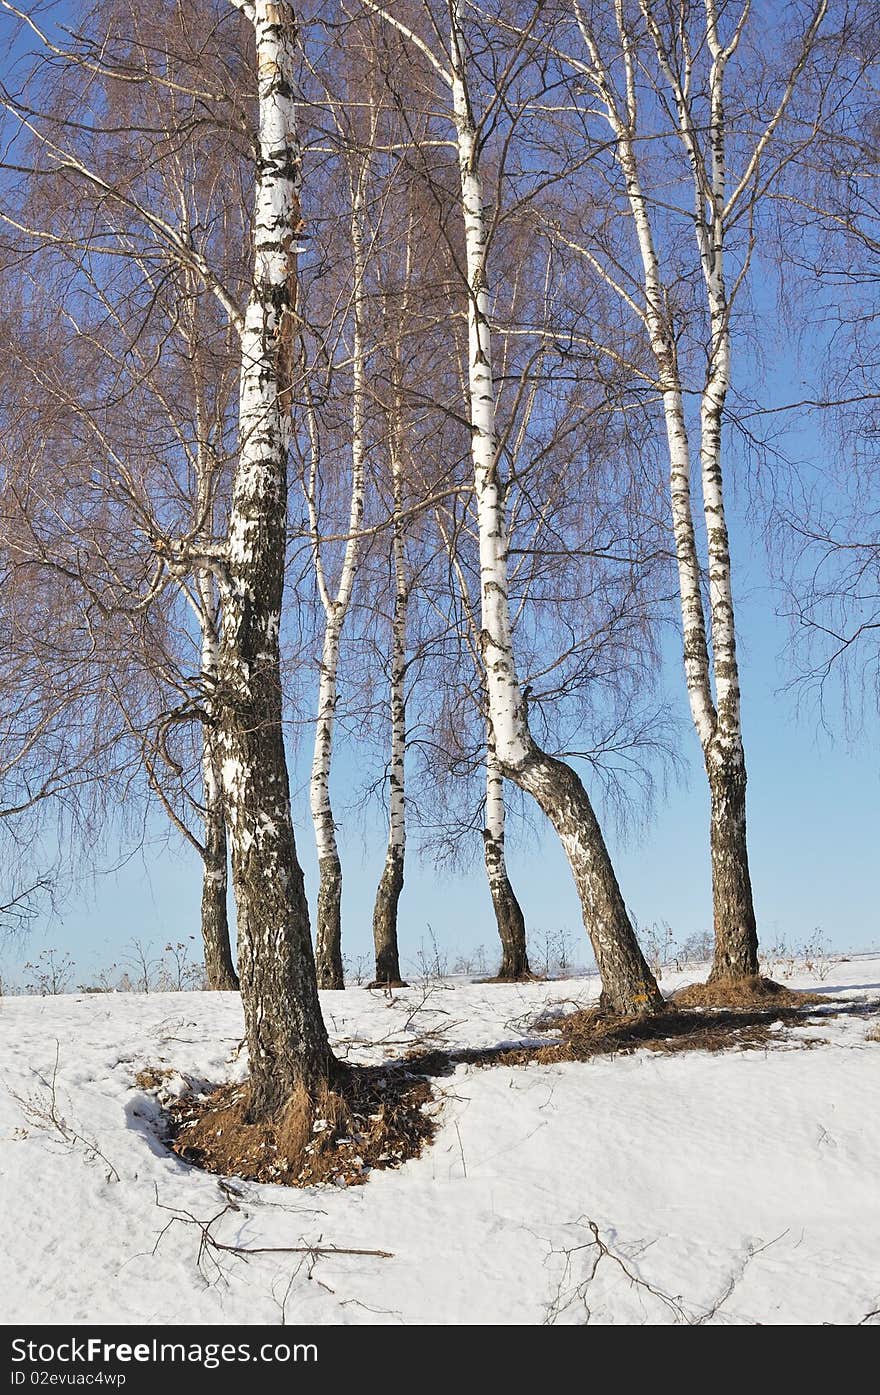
[
  {"x": 710, "y": 238},
  {"x": 494, "y": 793}
]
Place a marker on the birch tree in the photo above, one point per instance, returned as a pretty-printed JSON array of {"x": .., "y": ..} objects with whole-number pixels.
[
  {"x": 362, "y": 456},
  {"x": 586, "y": 559},
  {"x": 130, "y": 354},
  {"x": 287, "y": 1040},
  {"x": 335, "y": 602},
  {"x": 628, "y": 985},
  {"x": 411, "y": 474},
  {"x": 509, "y": 918},
  {"x": 639, "y": 62},
  {"x": 388, "y": 892}
]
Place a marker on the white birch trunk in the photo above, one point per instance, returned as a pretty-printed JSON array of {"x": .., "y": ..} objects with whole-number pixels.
[
  {"x": 328, "y": 930},
  {"x": 736, "y": 936},
  {"x": 328, "y": 938},
  {"x": 716, "y": 719},
  {"x": 391, "y": 884},
  {"x": 624, "y": 127},
  {"x": 287, "y": 1040},
  {"x": 219, "y": 967}
]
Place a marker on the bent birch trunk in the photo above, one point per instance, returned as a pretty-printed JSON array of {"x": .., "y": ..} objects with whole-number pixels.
[{"x": 629, "y": 986}]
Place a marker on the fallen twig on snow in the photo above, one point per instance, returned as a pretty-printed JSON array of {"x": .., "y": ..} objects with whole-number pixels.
[
  {"x": 736, "y": 1278},
  {"x": 42, "y": 1112},
  {"x": 579, "y": 1291},
  {"x": 210, "y": 1246}
]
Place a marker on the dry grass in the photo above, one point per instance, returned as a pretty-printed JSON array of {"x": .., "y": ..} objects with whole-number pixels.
[
  {"x": 873, "y": 1035},
  {"x": 373, "y": 1118},
  {"x": 516, "y": 978},
  {"x": 588, "y": 1032},
  {"x": 153, "y": 1077},
  {"x": 591, "y": 1033},
  {"x": 754, "y": 992}
]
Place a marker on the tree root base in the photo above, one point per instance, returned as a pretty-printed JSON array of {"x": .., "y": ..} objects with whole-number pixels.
[
  {"x": 747, "y": 992},
  {"x": 526, "y": 977},
  {"x": 371, "y": 1118},
  {"x": 596, "y": 1033},
  {"x": 592, "y": 1032}
]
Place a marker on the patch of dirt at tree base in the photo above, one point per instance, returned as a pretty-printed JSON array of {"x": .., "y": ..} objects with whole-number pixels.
[
  {"x": 754, "y": 992},
  {"x": 373, "y": 1118},
  {"x": 589, "y": 1032},
  {"x": 592, "y": 1033},
  {"x": 527, "y": 977}
]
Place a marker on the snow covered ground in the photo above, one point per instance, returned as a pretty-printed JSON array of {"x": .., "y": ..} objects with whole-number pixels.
[{"x": 740, "y": 1187}]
